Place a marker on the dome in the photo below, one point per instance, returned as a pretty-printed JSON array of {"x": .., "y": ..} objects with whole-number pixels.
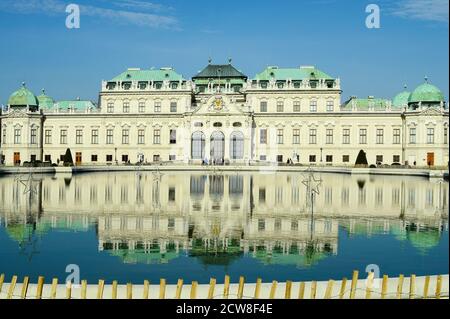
[
  {"x": 23, "y": 97},
  {"x": 426, "y": 93},
  {"x": 401, "y": 99},
  {"x": 45, "y": 101}
]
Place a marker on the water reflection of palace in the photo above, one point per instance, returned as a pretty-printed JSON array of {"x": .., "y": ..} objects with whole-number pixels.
[{"x": 155, "y": 217}]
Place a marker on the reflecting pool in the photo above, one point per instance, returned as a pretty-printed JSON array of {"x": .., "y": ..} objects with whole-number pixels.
[{"x": 131, "y": 226}]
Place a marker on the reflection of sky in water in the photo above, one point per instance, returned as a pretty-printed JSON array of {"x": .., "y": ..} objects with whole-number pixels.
[{"x": 195, "y": 227}]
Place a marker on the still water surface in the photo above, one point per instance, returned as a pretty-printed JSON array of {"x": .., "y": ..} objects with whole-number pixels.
[{"x": 142, "y": 225}]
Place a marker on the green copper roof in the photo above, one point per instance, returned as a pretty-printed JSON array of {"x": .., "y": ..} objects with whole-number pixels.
[
  {"x": 148, "y": 75},
  {"x": 23, "y": 97},
  {"x": 365, "y": 104},
  {"x": 401, "y": 99},
  {"x": 220, "y": 70},
  {"x": 302, "y": 73},
  {"x": 45, "y": 101},
  {"x": 426, "y": 93},
  {"x": 78, "y": 105}
]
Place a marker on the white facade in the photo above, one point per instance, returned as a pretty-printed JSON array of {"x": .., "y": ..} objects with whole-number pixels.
[{"x": 146, "y": 120}]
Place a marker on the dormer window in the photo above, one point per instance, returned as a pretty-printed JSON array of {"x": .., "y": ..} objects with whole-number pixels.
[
  {"x": 280, "y": 85},
  {"x": 263, "y": 84},
  {"x": 313, "y": 84},
  {"x": 158, "y": 85},
  {"x": 217, "y": 124},
  {"x": 142, "y": 85},
  {"x": 174, "y": 85},
  {"x": 297, "y": 84},
  {"x": 126, "y": 86}
]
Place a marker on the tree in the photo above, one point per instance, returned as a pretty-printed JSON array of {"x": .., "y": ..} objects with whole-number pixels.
[
  {"x": 68, "y": 161},
  {"x": 361, "y": 160}
]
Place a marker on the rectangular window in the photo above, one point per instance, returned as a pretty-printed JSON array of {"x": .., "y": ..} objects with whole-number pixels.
[
  {"x": 280, "y": 135},
  {"x": 126, "y": 107},
  {"x": 157, "y": 136},
  {"x": 172, "y": 157},
  {"x": 79, "y": 136},
  {"x": 125, "y": 136},
  {"x": 141, "y": 107},
  {"x": 313, "y": 106},
  {"x": 313, "y": 136},
  {"x": 263, "y": 106},
  {"x": 63, "y": 137},
  {"x": 125, "y": 158},
  {"x": 280, "y": 106},
  {"x": 396, "y": 137},
  {"x": 4, "y": 136},
  {"x": 141, "y": 136},
  {"x": 173, "y": 107},
  {"x": 157, "y": 107},
  {"x": 48, "y": 137},
  {"x": 33, "y": 136},
  {"x": 362, "y": 136},
  {"x": 430, "y": 135},
  {"x": 262, "y": 195},
  {"x": 48, "y": 158},
  {"x": 380, "y": 136},
  {"x": 445, "y": 135},
  {"x": 329, "y": 136},
  {"x": 263, "y": 136},
  {"x": 156, "y": 158},
  {"x": 110, "y": 107},
  {"x": 17, "y": 135},
  {"x": 346, "y": 136},
  {"x": 296, "y": 136},
  {"x": 280, "y": 158},
  {"x": 296, "y": 106},
  {"x": 94, "y": 158},
  {"x": 345, "y": 158},
  {"x": 379, "y": 159},
  {"x": 329, "y": 158},
  {"x": 109, "y": 158},
  {"x": 173, "y": 136},
  {"x": 396, "y": 159},
  {"x": 330, "y": 106},
  {"x": 109, "y": 136},
  {"x": 94, "y": 136},
  {"x": 262, "y": 157},
  {"x": 412, "y": 135},
  {"x": 312, "y": 158}
]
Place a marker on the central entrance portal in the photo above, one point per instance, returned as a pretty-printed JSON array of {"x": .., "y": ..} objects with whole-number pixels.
[{"x": 217, "y": 147}]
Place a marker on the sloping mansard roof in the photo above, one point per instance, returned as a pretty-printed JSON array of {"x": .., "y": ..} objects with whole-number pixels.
[
  {"x": 283, "y": 74},
  {"x": 220, "y": 70}
]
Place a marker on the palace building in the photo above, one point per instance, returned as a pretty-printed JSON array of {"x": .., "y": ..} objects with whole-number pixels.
[{"x": 222, "y": 116}]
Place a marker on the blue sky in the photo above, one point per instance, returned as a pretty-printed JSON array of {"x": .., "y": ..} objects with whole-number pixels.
[{"x": 37, "y": 48}]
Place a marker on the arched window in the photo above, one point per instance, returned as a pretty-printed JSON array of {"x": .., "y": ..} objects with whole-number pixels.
[
  {"x": 198, "y": 145},
  {"x": 237, "y": 145},
  {"x": 217, "y": 147}
]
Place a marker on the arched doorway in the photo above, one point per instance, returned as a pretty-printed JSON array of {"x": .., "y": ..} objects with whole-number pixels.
[
  {"x": 198, "y": 145},
  {"x": 217, "y": 147},
  {"x": 237, "y": 145}
]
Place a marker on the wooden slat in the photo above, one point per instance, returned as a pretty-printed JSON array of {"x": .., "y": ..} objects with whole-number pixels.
[
  {"x": 69, "y": 290},
  {"x": 400, "y": 286},
  {"x": 179, "y": 289},
  {"x": 343, "y": 286},
  {"x": 354, "y": 284},
  {"x": 212, "y": 286},
  {"x": 438, "y": 287},
  {"x": 426, "y": 286},
  {"x": 101, "y": 287},
  {"x": 369, "y": 285},
  {"x": 26, "y": 282},
  {"x": 53, "y": 289},
  {"x": 146, "y": 289},
  {"x": 194, "y": 290},
  {"x": 301, "y": 291},
  {"x": 83, "y": 289},
  {"x": 226, "y": 287},
  {"x": 240, "y": 293},
  {"x": 162, "y": 288},
  {"x": 129, "y": 290},
  {"x": 329, "y": 289},
  {"x": 287, "y": 293},
  {"x": 412, "y": 287},
  {"x": 313, "y": 290},
  {"x": 258, "y": 288},
  {"x": 384, "y": 286},
  {"x": 273, "y": 289},
  {"x": 12, "y": 286},
  {"x": 40, "y": 286},
  {"x": 2, "y": 279},
  {"x": 114, "y": 289}
]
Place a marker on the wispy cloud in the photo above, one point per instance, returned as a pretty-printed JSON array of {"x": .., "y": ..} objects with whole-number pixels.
[
  {"x": 121, "y": 16},
  {"x": 141, "y": 5},
  {"x": 426, "y": 10}
]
